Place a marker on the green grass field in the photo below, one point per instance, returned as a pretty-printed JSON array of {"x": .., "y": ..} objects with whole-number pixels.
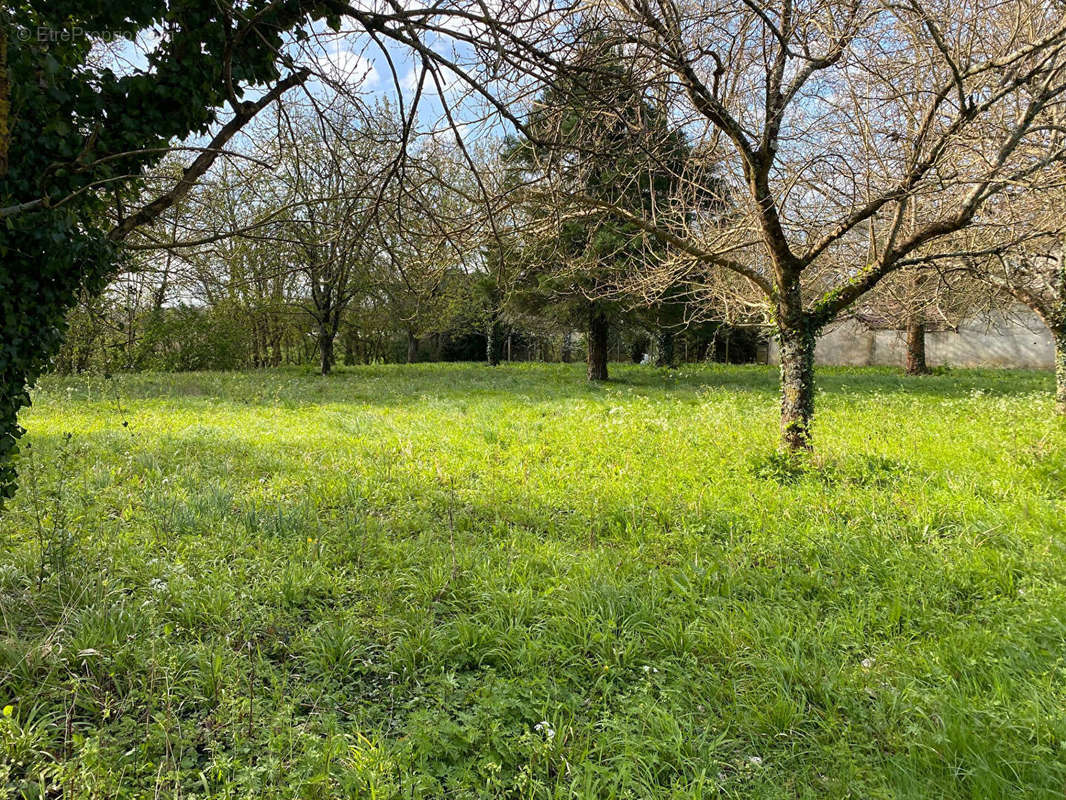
[{"x": 457, "y": 581}]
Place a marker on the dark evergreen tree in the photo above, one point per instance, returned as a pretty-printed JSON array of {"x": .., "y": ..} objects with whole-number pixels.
[{"x": 597, "y": 134}]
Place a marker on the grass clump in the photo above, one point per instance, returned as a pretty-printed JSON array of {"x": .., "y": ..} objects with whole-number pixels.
[{"x": 450, "y": 580}]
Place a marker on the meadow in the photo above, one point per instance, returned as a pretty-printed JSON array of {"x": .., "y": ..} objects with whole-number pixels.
[{"x": 459, "y": 581}]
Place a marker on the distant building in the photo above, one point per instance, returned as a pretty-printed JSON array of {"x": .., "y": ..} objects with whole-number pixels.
[{"x": 1014, "y": 339}]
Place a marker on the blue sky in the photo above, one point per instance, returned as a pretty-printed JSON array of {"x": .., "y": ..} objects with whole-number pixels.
[{"x": 351, "y": 58}]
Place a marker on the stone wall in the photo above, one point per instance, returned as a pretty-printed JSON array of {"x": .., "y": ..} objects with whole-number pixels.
[{"x": 1018, "y": 339}]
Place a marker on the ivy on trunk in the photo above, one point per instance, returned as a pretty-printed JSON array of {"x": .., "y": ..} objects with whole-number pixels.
[{"x": 1060, "y": 369}]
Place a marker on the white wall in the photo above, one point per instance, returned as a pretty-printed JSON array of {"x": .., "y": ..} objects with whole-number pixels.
[{"x": 1018, "y": 340}]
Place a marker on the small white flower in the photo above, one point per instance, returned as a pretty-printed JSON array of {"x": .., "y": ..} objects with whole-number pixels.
[
  {"x": 545, "y": 728},
  {"x": 157, "y": 584},
  {"x": 755, "y": 761},
  {"x": 867, "y": 663}
]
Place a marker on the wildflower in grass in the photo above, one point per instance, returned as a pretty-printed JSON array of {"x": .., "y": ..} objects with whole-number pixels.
[
  {"x": 545, "y": 727},
  {"x": 867, "y": 663},
  {"x": 755, "y": 761}
]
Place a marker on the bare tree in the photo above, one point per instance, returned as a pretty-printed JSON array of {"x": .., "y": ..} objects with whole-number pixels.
[
  {"x": 858, "y": 136},
  {"x": 923, "y": 297},
  {"x": 428, "y": 233},
  {"x": 70, "y": 200},
  {"x": 1025, "y": 240},
  {"x": 335, "y": 169}
]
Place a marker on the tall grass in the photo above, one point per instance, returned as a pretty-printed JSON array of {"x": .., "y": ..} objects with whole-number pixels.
[{"x": 457, "y": 581}]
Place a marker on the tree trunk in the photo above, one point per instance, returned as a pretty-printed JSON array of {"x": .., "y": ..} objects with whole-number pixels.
[
  {"x": 325, "y": 349},
  {"x": 349, "y": 348},
  {"x": 412, "y": 348},
  {"x": 492, "y": 339},
  {"x": 1060, "y": 369},
  {"x": 797, "y": 385},
  {"x": 275, "y": 348},
  {"x": 916, "y": 364},
  {"x": 597, "y": 345},
  {"x": 664, "y": 340},
  {"x": 565, "y": 354},
  {"x": 638, "y": 348},
  {"x": 257, "y": 344}
]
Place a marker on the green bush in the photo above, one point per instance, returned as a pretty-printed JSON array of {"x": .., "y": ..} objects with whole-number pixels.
[{"x": 189, "y": 338}]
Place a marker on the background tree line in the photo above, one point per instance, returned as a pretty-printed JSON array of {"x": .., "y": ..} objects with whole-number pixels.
[{"x": 328, "y": 257}]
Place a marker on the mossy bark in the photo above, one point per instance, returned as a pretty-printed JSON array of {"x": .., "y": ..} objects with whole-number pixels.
[
  {"x": 797, "y": 385},
  {"x": 1060, "y": 370}
]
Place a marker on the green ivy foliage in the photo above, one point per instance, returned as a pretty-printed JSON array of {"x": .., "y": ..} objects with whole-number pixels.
[{"x": 78, "y": 134}]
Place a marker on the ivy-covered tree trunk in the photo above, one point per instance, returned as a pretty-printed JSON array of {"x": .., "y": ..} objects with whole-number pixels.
[
  {"x": 565, "y": 353},
  {"x": 5, "y": 102},
  {"x": 597, "y": 345},
  {"x": 34, "y": 302},
  {"x": 796, "y": 337},
  {"x": 1060, "y": 369},
  {"x": 916, "y": 363}
]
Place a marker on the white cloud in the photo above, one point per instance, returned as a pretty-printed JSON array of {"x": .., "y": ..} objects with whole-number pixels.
[{"x": 348, "y": 68}]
